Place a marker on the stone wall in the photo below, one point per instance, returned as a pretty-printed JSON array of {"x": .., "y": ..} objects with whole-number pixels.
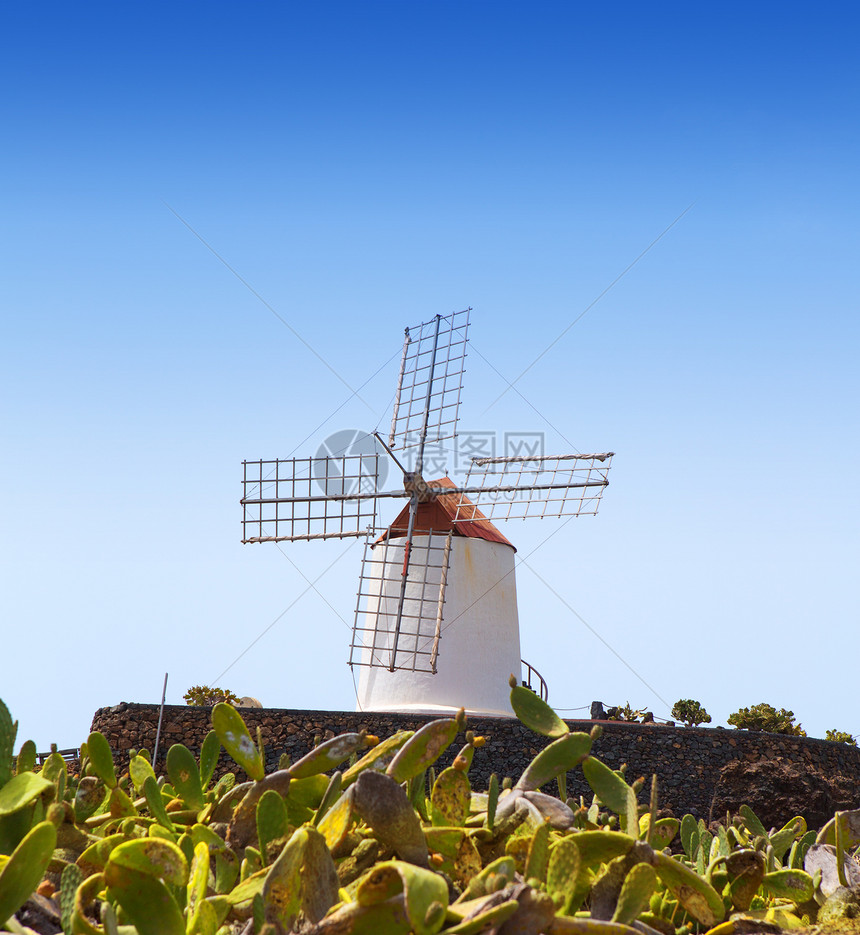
[{"x": 704, "y": 771}]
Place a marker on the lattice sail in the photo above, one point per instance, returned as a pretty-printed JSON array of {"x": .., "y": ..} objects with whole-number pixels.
[
  {"x": 393, "y": 635},
  {"x": 309, "y": 498},
  {"x": 398, "y": 622},
  {"x": 427, "y": 402},
  {"x": 521, "y": 488}
]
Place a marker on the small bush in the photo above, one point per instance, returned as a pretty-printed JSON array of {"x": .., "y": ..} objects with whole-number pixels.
[
  {"x": 208, "y": 697},
  {"x": 841, "y": 737},
  {"x": 690, "y": 712},
  {"x": 765, "y": 717},
  {"x": 625, "y": 713}
]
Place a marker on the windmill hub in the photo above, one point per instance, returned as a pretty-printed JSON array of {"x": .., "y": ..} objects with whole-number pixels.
[
  {"x": 415, "y": 485},
  {"x": 436, "y": 624}
]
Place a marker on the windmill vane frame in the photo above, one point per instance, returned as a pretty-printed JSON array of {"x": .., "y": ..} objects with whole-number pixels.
[{"x": 399, "y": 616}]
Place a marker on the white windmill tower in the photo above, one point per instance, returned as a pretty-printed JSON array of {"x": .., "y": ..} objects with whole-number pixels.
[{"x": 436, "y": 625}]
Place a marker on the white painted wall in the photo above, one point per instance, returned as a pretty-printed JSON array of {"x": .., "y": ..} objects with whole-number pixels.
[{"x": 479, "y": 647}]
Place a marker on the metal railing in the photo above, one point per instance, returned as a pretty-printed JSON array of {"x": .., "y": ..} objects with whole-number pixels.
[
  {"x": 72, "y": 753},
  {"x": 532, "y": 673}
]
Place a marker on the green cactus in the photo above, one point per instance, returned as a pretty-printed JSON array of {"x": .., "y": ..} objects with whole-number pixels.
[
  {"x": 226, "y": 871},
  {"x": 850, "y": 829},
  {"x": 425, "y": 747},
  {"x": 558, "y": 757},
  {"x": 703, "y": 857},
  {"x": 537, "y": 859},
  {"x": 302, "y": 879},
  {"x": 384, "y": 806},
  {"x": 26, "y": 758},
  {"x": 752, "y": 822},
  {"x": 72, "y": 877},
  {"x": 635, "y": 895},
  {"x": 139, "y": 769},
  {"x": 54, "y": 769},
  {"x": 492, "y": 800},
  {"x": 132, "y": 858},
  {"x": 480, "y": 916},
  {"x": 330, "y": 796},
  {"x": 25, "y": 867},
  {"x": 101, "y": 758},
  {"x": 378, "y": 757},
  {"x": 795, "y": 885},
  {"x": 661, "y": 834},
  {"x": 96, "y": 855},
  {"x": 613, "y": 791},
  {"x": 320, "y": 889},
  {"x": 565, "y": 876},
  {"x": 840, "y": 848},
  {"x": 271, "y": 821},
  {"x": 535, "y": 713},
  {"x": 8, "y": 733},
  {"x": 209, "y": 753},
  {"x": 282, "y": 887},
  {"x": 185, "y": 776},
  {"x": 330, "y": 754},
  {"x": 464, "y": 758},
  {"x": 689, "y": 836},
  {"x": 450, "y": 798},
  {"x": 119, "y": 804},
  {"x": 198, "y": 878},
  {"x": 417, "y": 791},
  {"x": 142, "y": 876},
  {"x": 746, "y": 870},
  {"x": 23, "y": 790},
  {"x": 234, "y": 737},
  {"x": 425, "y": 894},
  {"x": 156, "y": 803},
  {"x": 336, "y": 822},
  {"x": 696, "y": 895},
  {"x": 494, "y": 877},
  {"x": 783, "y": 839},
  {"x": 599, "y": 847}
]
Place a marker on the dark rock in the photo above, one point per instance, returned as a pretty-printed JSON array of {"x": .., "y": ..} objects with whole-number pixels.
[
  {"x": 777, "y": 791},
  {"x": 40, "y": 915}
]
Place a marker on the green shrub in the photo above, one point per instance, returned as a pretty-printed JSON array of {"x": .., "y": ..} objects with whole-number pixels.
[
  {"x": 625, "y": 713},
  {"x": 208, "y": 697},
  {"x": 690, "y": 712},
  {"x": 765, "y": 717},
  {"x": 840, "y": 736}
]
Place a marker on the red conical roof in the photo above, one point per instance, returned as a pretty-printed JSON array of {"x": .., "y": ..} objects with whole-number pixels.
[{"x": 438, "y": 515}]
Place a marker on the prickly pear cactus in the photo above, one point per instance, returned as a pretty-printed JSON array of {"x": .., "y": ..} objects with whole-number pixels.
[{"x": 389, "y": 843}]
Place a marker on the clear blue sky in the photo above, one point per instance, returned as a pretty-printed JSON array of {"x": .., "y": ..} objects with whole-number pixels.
[{"x": 365, "y": 166}]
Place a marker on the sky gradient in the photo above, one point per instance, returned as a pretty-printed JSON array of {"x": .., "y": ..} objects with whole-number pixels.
[{"x": 215, "y": 218}]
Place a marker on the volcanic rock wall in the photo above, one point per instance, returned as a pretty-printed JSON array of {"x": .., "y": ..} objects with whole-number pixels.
[{"x": 705, "y": 771}]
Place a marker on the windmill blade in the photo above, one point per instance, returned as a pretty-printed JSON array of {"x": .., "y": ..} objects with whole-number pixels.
[
  {"x": 393, "y": 630},
  {"x": 404, "y": 579},
  {"x": 310, "y": 498},
  {"x": 522, "y": 488},
  {"x": 427, "y": 402}
]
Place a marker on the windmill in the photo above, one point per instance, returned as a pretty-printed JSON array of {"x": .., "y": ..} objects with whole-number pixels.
[{"x": 436, "y": 623}]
